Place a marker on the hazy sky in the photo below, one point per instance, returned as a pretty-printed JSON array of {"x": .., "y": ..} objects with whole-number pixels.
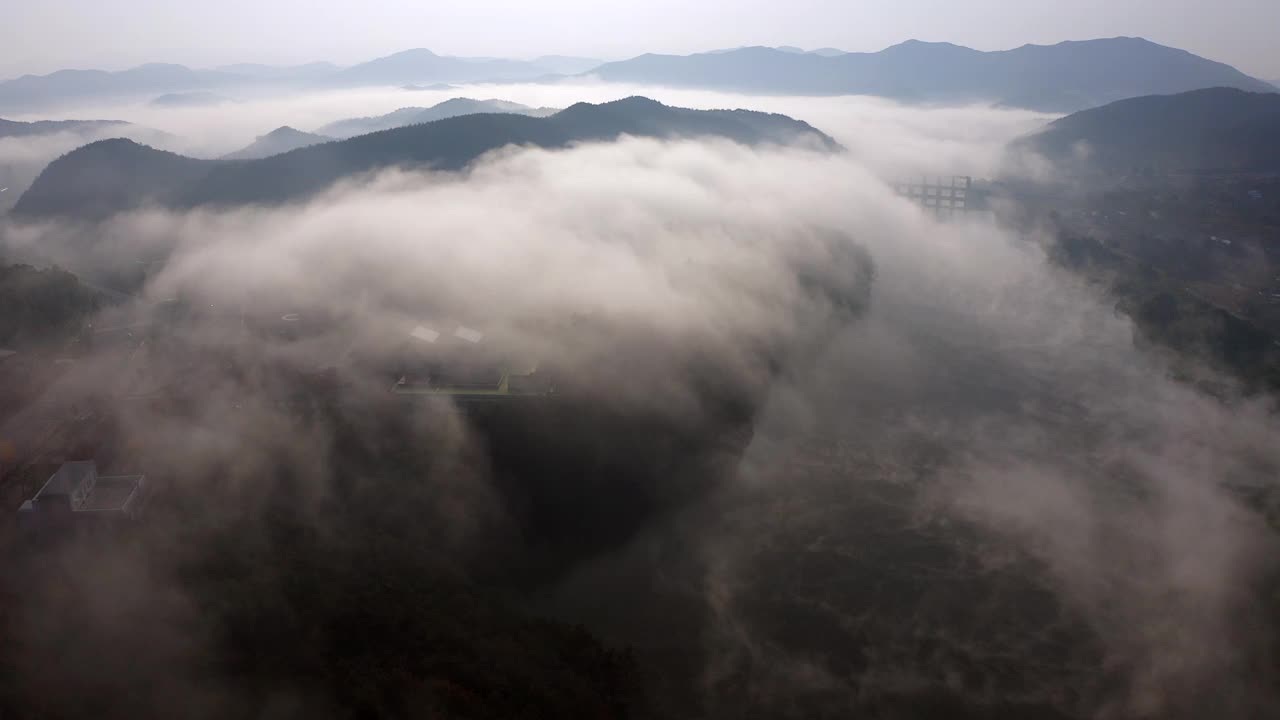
[{"x": 44, "y": 35}]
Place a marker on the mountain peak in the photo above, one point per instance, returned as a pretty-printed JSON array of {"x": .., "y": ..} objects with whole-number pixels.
[
  {"x": 109, "y": 145},
  {"x": 73, "y": 185},
  {"x": 352, "y": 127},
  {"x": 921, "y": 45},
  {"x": 635, "y": 101},
  {"x": 1052, "y": 78},
  {"x": 1118, "y": 41},
  {"x": 281, "y": 140},
  {"x": 283, "y": 131},
  {"x": 1210, "y": 129},
  {"x": 412, "y": 53}
]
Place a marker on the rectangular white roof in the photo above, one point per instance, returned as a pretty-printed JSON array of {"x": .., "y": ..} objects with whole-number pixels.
[{"x": 425, "y": 334}]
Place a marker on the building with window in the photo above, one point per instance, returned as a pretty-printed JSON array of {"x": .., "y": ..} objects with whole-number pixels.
[{"x": 76, "y": 496}]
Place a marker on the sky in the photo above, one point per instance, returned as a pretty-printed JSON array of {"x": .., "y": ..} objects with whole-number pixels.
[{"x": 43, "y": 36}]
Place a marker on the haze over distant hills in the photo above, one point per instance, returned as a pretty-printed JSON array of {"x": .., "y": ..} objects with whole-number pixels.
[
  {"x": 15, "y": 128},
  {"x": 824, "y": 52},
  {"x": 1065, "y": 77},
  {"x": 25, "y": 147},
  {"x": 65, "y": 87},
  {"x": 415, "y": 115},
  {"x": 423, "y": 66},
  {"x": 442, "y": 87},
  {"x": 114, "y": 175},
  {"x": 309, "y": 71},
  {"x": 1057, "y": 78},
  {"x": 1218, "y": 129},
  {"x": 566, "y": 64},
  {"x": 280, "y": 140},
  {"x": 419, "y": 66},
  {"x": 195, "y": 98}
]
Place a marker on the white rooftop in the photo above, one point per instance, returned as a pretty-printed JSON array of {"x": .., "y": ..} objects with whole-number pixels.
[{"x": 424, "y": 334}]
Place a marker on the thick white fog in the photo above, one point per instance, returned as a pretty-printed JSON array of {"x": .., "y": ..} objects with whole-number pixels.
[{"x": 1065, "y": 448}]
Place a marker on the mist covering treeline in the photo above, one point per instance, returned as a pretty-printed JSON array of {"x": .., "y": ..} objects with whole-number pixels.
[
  {"x": 86, "y": 182},
  {"x": 413, "y": 516},
  {"x": 1215, "y": 130},
  {"x": 41, "y": 304},
  {"x": 818, "y": 453}
]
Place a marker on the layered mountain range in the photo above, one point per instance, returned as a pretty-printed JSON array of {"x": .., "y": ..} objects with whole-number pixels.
[
  {"x": 1064, "y": 77},
  {"x": 110, "y": 176}
]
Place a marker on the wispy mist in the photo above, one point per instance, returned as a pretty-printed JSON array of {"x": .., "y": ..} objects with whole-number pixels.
[{"x": 974, "y": 486}]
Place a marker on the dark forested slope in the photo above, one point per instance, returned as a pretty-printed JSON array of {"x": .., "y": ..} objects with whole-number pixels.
[
  {"x": 106, "y": 177},
  {"x": 1218, "y": 129},
  {"x": 110, "y": 176}
]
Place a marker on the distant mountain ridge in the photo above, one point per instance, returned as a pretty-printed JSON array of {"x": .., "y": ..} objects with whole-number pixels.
[
  {"x": 195, "y": 98},
  {"x": 1065, "y": 77},
  {"x": 1218, "y": 129},
  {"x": 106, "y": 177},
  {"x": 281, "y": 140},
  {"x": 16, "y": 128},
  {"x": 824, "y": 52},
  {"x": 65, "y": 86},
  {"x": 566, "y": 64},
  {"x": 309, "y": 71},
  {"x": 410, "y": 67},
  {"x": 454, "y": 107},
  {"x": 420, "y": 66},
  {"x": 423, "y": 66}
]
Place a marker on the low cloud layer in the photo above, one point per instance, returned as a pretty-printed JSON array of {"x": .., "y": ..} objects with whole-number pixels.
[
  {"x": 888, "y": 136},
  {"x": 23, "y": 157},
  {"x": 970, "y": 489}
]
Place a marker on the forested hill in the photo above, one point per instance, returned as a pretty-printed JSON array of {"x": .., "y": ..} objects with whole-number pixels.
[
  {"x": 105, "y": 177},
  {"x": 452, "y": 107},
  {"x": 16, "y": 128},
  {"x": 110, "y": 176},
  {"x": 1219, "y": 129},
  {"x": 1064, "y": 77},
  {"x": 280, "y": 140},
  {"x": 40, "y": 304}
]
